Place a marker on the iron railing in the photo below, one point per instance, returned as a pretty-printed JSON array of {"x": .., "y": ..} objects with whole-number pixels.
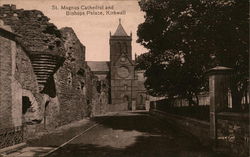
[{"x": 11, "y": 136}]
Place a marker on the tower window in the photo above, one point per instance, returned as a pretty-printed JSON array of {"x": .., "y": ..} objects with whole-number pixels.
[
  {"x": 119, "y": 47},
  {"x": 124, "y": 48}
]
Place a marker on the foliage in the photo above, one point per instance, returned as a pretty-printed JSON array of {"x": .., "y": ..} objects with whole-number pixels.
[
  {"x": 187, "y": 37},
  {"x": 143, "y": 61}
]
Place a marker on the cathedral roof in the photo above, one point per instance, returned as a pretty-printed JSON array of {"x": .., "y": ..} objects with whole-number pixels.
[
  {"x": 120, "y": 30},
  {"x": 98, "y": 66}
]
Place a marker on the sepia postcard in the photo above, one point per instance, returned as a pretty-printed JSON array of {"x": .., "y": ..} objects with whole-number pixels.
[{"x": 124, "y": 78}]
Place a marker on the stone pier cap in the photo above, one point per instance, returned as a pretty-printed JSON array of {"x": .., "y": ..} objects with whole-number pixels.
[{"x": 219, "y": 70}]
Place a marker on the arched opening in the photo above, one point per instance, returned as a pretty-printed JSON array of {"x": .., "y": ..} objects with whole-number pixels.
[
  {"x": 126, "y": 101},
  {"x": 141, "y": 100},
  {"x": 45, "y": 114},
  {"x": 26, "y": 104},
  {"x": 30, "y": 110},
  {"x": 125, "y": 98},
  {"x": 50, "y": 87},
  {"x": 140, "y": 105}
]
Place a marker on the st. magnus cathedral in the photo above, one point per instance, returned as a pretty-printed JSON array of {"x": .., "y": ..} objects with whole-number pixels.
[{"x": 123, "y": 83}]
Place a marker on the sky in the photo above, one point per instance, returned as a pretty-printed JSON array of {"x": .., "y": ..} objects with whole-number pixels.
[{"x": 92, "y": 30}]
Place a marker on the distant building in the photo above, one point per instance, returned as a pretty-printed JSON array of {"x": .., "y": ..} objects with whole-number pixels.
[{"x": 126, "y": 85}]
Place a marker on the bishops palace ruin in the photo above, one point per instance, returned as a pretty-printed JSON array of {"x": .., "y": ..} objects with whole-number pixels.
[{"x": 45, "y": 81}]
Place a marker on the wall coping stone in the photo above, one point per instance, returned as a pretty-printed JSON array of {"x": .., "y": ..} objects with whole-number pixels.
[
  {"x": 219, "y": 70},
  {"x": 234, "y": 116},
  {"x": 182, "y": 117}
]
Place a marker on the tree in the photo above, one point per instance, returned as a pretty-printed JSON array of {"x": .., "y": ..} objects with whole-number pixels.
[
  {"x": 143, "y": 61},
  {"x": 199, "y": 34}
]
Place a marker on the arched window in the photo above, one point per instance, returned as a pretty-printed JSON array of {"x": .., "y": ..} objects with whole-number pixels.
[
  {"x": 141, "y": 100},
  {"x": 125, "y": 98},
  {"x": 124, "y": 48},
  {"x": 119, "y": 47}
]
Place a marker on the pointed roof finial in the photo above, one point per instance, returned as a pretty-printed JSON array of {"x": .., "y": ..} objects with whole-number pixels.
[{"x": 120, "y": 30}]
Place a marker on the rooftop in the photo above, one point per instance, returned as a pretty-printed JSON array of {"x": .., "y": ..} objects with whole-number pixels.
[
  {"x": 120, "y": 30},
  {"x": 98, "y": 65}
]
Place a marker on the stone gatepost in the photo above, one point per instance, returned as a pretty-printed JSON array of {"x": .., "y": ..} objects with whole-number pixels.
[
  {"x": 133, "y": 105},
  {"x": 219, "y": 83}
]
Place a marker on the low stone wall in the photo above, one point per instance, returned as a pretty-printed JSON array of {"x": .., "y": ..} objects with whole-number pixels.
[
  {"x": 102, "y": 109},
  {"x": 197, "y": 128},
  {"x": 233, "y": 132},
  {"x": 118, "y": 107}
]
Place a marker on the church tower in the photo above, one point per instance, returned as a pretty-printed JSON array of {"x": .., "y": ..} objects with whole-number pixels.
[
  {"x": 120, "y": 42},
  {"x": 122, "y": 71}
]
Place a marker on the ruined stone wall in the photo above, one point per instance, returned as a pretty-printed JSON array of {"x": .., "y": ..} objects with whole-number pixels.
[
  {"x": 7, "y": 48},
  {"x": 101, "y": 93},
  {"x": 90, "y": 90},
  {"x": 50, "y": 70},
  {"x": 44, "y": 52},
  {"x": 41, "y": 39},
  {"x": 24, "y": 71},
  {"x": 29, "y": 89},
  {"x": 38, "y": 34},
  {"x": 17, "y": 80},
  {"x": 25, "y": 75},
  {"x": 10, "y": 95},
  {"x": 71, "y": 80},
  {"x": 33, "y": 40}
]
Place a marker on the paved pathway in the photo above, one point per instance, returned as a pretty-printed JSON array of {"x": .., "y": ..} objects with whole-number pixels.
[
  {"x": 133, "y": 135},
  {"x": 49, "y": 141},
  {"x": 127, "y": 134}
]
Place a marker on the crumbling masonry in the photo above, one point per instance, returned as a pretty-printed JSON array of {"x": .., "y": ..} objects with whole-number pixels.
[{"x": 44, "y": 79}]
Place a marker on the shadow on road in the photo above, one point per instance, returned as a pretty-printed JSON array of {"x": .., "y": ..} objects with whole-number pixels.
[
  {"x": 156, "y": 140},
  {"x": 137, "y": 121}
]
